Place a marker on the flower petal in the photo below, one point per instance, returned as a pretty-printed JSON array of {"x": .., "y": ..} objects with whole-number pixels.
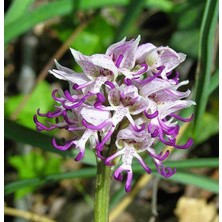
[
  {"x": 68, "y": 74},
  {"x": 125, "y": 49},
  {"x": 94, "y": 116},
  {"x": 96, "y": 65}
]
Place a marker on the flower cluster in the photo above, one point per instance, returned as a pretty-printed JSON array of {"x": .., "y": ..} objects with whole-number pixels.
[{"x": 121, "y": 104}]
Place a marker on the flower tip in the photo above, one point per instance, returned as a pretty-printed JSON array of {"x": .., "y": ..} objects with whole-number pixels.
[
  {"x": 138, "y": 38},
  {"x": 127, "y": 188},
  {"x": 187, "y": 145},
  {"x": 107, "y": 163},
  {"x": 118, "y": 176},
  {"x": 79, "y": 156}
]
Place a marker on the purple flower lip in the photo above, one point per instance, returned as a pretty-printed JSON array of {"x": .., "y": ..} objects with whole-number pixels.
[
  {"x": 152, "y": 115},
  {"x": 187, "y": 145},
  {"x": 79, "y": 87},
  {"x": 155, "y": 133},
  {"x": 128, "y": 82},
  {"x": 118, "y": 176},
  {"x": 172, "y": 142},
  {"x": 160, "y": 156},
  {"x": 92, "y": 127},
  {"x": 149, "y": 79},
  {"x": 79, "y": 156},
  {"x": 105, "y": 139},
  {"x": 67, "y": 119},
  {"x": 78, "y": 102},
  {"x": 54, "y": 114},
  {"x": 40, "y": 126},
  {"x": 110, "y": 84},
  {"x": 100, "y": 98},
  {"x": 62, "y": 147},
  {"x": 119, "y": 60},
  {"x": 176, "y": 78},
  {"x": 69, "y": 97},
  {"x": 141, "y": 71},
  {"x": 165, "y": 171},
  {"x": 181, "y": 118},
  {"x": 56, "y": 98},
  {"x": 139, "y": 129}
]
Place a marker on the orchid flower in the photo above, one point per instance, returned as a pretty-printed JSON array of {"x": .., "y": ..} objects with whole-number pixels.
[
  {"x": 123, "y": 101},
  {"x": 156, "y": 57},
  {"x": 130, "y": 143}
]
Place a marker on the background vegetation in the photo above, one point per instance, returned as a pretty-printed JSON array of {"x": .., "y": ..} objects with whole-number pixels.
[{"x": 46, "y": 183}]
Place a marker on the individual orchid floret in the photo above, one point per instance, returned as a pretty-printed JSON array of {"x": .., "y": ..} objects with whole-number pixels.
[
  {"x": 70, "y": 119},
  {"x": 125, "y": 102},
  {"x": 156, "y": 57},
  {"x": 130, "y": 143},
  {"x": 163, "y": 101},
  {"x": 123, "y": 53},
  {"x": 158, "y": 160},
  {"x": 97, "y": 69}
]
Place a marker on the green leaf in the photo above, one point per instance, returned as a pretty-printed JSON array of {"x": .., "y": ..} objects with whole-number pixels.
[
  {"x": 203, "y": 77},
  {"x": 63, "y": 7},
  {"x": 162, "y": 5},
  {"x": 82, "y": 173},
  {"x": 17, "y": 9},
  {"x": 210, "y": 123},
  {"x": 188, "y": 14},
  {"x": 34, "y": 164},
  {"x": 214, "y": 82},
  {"x": 189, "y": 38},
  {"x": 196, "y": 180},
  {"x": 50, "y": 10},
  {"x": 91, "y": 172},
  {"x": 183, "y": 164},
  {"x": 93, "y": 39},
  {"x": 41, "y": 97},
  {"x": 19, "y": 133},
  {"x": 127, "y": 24}
]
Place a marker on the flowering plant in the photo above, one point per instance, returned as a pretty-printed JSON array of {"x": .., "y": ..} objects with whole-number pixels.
[{"x": 122, "y": 103}]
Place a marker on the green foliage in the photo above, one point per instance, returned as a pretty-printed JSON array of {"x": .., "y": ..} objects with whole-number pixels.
[
  {"x": 187, "y": 19},
  {"x": 194, "y": 23},
  {"x": 206, "y": 49},
  {"x": 41, "y": 97},
  {"x": 183, "y": 177},
  {"x": 19, "y": 133},
  {"x": 16, "y": 10},
  {"x": 31, "y": 165},
  {"x": 196, "y": 180},
  {"x": 60, "y": 8},
  {"x": 182, "y": 41},
  {"x": 94, "y": 39}
]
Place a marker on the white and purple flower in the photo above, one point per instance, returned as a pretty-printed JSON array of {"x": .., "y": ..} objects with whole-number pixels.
[{"x": 122, "y": 103}]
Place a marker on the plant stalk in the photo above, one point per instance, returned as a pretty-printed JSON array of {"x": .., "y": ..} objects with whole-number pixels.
[{"x": 102, "y": 196}]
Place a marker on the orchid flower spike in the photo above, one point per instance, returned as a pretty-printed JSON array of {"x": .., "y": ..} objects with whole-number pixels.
[{"x": 123, "y": 102}]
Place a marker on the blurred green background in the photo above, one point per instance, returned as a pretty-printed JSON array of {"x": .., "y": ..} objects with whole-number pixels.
[{"x": 48, "y": 182}]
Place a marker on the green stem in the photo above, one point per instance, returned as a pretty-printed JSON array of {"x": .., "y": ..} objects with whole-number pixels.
[{"x": 102, "y": 196}]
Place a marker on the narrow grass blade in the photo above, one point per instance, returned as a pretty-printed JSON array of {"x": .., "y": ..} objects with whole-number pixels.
[
  {"x": 63, "y": 7},
  {"x": 184, "y": 164},
  {"x": 19, "y": 133},
  {"x": 132, "y": 12},
  {"x": 196, "y": 180},
  {"x": 91, "y": 172},
  {"x": 17, "y": 9},
  {"x": 203, "y": 77},
  {"x": 50, "y": 10},
  {"x": 38, "y": 181},
  {"x": 214, "y": 83}
]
